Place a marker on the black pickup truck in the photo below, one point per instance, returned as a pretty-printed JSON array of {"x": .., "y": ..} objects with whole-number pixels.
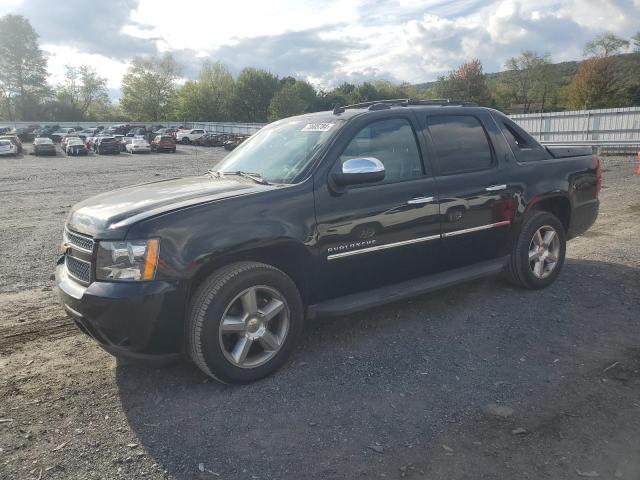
[{"x": 319, "y": 215}]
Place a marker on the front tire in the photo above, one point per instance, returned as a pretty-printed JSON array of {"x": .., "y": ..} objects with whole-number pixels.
[
  {"x": 538, "y": 252},
  {"x": 243, "y": 322}
]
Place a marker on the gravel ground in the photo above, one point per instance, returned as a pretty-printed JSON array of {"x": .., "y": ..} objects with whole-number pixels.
[{"x": 481, "y": 380}]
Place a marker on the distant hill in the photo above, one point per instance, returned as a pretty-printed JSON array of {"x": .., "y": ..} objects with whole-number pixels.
[{"x": 627, "y": 71}]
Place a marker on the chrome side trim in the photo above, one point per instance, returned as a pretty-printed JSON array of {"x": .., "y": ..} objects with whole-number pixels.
[
  {"x": 496, "y": 188},
  {"x": 419, "y": 200},
  {"x": 476, "y": 229},
  {"x": 382, "y": 247}
]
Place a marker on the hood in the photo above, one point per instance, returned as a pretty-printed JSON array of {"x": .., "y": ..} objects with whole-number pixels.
[{"x": 110, "y": 214}]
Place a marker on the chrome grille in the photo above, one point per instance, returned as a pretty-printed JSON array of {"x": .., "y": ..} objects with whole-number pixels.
[
  {"x": 79, "y": 241},
  {"x": 78, "y": 269}
]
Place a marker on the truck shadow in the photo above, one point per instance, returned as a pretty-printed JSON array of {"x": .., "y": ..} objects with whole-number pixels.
[{"x": 399, "y": 377}]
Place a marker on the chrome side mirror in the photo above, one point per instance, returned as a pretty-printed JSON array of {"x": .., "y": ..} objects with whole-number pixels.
[{"x": 359, "y": 170}]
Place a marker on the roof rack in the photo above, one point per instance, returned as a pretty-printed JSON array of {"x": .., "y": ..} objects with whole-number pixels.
[{"x": 405, "y": 102}]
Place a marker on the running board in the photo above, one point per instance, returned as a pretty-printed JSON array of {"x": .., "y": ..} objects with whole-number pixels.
[{"x": 407, "y": 289}]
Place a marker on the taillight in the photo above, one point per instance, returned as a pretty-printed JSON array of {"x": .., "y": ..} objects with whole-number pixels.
[{"x": 598, "y": 174}]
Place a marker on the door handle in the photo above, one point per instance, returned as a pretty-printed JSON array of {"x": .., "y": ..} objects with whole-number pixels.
[
  {"x": 419, "y": 200},
  {"x": 496, "y": 188}
]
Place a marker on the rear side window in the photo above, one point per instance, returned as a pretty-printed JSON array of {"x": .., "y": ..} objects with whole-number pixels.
[
  {"x": 392, "y": 142},
  {"x": 460, "y": 142},
  {"x": 524, "y": 146}
]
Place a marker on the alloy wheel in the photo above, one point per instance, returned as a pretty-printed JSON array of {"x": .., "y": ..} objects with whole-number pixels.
[
  {"x": 544, "y": 251},
  {"x": 254, "y": 326}
]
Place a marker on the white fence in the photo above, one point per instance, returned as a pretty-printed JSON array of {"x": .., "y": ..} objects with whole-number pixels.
[{"x": 610, "y": 127}]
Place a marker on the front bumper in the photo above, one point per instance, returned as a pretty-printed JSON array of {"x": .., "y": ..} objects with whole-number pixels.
[{"x": 137, "y": 320}]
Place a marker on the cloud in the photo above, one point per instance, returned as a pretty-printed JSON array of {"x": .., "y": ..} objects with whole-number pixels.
[{"x": 324, "y": 41}]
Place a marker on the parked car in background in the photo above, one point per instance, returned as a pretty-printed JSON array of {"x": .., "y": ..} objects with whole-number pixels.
[
  {"x": 65, "y": 141},
  {"x": 25, "y": 134},
  {"x": 166, "y": 131},
  {"x": 4, "y": 130},
  {"x": 138, "y": 145},
  {"x": 135, "y": 131},
  {"x": 43, "y": 146},
  {"x": 7, "y": 148},
  {"x": 15, "y": 140},
  {"x": 234, "y": 142},
  {"x": 58, "y": 135},
  {"x": 105, "y": 145},
  {"x": 163, "y": 143},
  {"x": 87, "y": 132},
  {"x": 75, "y": 146},
  {"x": 188, "y": 136}
]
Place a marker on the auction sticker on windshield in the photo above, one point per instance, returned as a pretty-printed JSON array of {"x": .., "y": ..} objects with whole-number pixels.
[{"x": 317, "y": 127}]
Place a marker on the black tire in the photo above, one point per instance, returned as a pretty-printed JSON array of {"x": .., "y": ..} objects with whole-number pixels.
[
  {"x": 519, "y": 270},
  {"x": 209, "y": 305},
  {"x": 185, "y": 141}
]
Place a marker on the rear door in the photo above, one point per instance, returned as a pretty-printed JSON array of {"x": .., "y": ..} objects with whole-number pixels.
[
  {"x": 476, "y": 202},
  {"x": 382, "y": 233}
]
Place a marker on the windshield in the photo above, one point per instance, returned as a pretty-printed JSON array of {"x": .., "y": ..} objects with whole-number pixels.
[{"x": 281, "y": 151}]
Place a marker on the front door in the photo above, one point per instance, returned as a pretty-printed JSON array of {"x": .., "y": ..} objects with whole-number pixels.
[
  {"x": 476, "y": 202},
  {"x": 378, "y": 234}
]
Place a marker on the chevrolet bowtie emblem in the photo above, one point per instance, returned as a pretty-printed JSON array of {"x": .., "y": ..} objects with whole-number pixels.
[{"x": 64, "y": 248}]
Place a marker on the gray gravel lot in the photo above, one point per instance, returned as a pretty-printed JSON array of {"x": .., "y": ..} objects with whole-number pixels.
[
  {"x": 481, "y": 380},
  {"x": 37, "y": 193}
]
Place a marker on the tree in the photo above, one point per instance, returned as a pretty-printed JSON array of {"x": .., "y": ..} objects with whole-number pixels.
[
  {"x": 636, "y": 42},
  {"x": 467, "y": 82},
  {"x": 293, "y": 98},
  {"x": 148, "y": 87},
  {"x": 605, "y": 45},
  {"x": 594, "y": 85},
  {"x": 82, "y": 89},
  {"x": 23, "y": 68},
  {"x": 528, "y": 78},
  {"x": 253, "y": 93}
]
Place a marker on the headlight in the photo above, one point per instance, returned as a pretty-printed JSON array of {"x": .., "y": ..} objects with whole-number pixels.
[{"x": 132, "y": 260}]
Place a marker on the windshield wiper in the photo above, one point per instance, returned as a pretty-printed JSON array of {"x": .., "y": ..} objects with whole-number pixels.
[{"x": 256, "y": 177}]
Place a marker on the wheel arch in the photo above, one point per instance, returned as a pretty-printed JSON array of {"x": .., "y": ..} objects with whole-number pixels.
[
  {"x": 287, "y": 255},
  {"x": 558, "y": 205}
]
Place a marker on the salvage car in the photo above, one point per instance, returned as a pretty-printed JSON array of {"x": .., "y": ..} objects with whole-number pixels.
[
  {"x": 7, "y": 148},
  {"x": 188, "y": 136},
  {"x": 15, "y": 139},
  {"x": 43, "y": 146},
  {"x": 107, "y": 144},
  {"x": 75, "y": 146},
  {"x": 138, "y": 145},
  {"x": 61, "y": 133},
  {"x": 163, "y": 143},
  {"x": 225, "y": 267}
]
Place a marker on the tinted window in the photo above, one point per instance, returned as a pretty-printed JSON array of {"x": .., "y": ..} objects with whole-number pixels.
[
  {"x": 460, "y": 142},
  {"x": 524, "y": 146},
  {"x": 393, "y": 143}
]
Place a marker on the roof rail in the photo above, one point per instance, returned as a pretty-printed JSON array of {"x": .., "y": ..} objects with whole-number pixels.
[{"x": 405, "y": 102}]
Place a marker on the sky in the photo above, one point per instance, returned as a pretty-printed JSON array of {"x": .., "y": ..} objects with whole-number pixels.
[{"x": 325, "y": 42}]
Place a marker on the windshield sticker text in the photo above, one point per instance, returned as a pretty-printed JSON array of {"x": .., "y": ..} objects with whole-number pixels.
[{"x": 317, "y": 127}]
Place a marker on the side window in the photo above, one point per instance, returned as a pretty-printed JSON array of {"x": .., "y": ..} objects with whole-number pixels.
[
  {"x": 461, "y": 143},
  {"x": 393, "y": 143},
  {"x": 524, "y": 146}
]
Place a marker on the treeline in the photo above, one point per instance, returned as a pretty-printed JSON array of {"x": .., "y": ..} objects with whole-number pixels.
[{"x": 153, "y": 89}]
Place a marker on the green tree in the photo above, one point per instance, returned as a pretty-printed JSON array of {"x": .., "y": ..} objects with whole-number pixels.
[
  {"x": 254, "y": 90},
  {"x": 528, "y": 79},
  {"x": 467, "y": 82},
  {"x": 293, "y": 98},
  {"x": 23, "y": 68},
  {"x": 82, "y": 89},
  {"x": 148, "y": 87},
  {"x": 605, "y": 45}
]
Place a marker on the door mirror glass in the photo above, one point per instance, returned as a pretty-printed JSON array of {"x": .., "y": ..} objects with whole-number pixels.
[{"x": 359, "y": 170}]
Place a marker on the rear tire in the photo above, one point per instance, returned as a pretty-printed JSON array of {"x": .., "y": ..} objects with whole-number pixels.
[
  {"x": 185, "y": 141},
  {"x": 243, "y": 322},
  {"x": 539, "y": 251}
]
